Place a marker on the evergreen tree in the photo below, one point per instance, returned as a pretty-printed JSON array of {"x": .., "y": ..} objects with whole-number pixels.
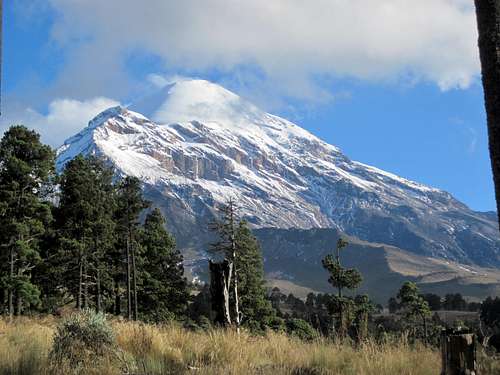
[
  {"x": 26, "y": 170},
  {"x": 103, "y": 229},
  {"x": 341, "y": 278},
  {"x": 74, "y": 222},
  {"x": 489, "y": 319},
  {"x": 454, "y": 302},
  {"x": 363, "y": 309},
  {"x": 85, "y": 228},
  {"x": 256, "y": 309},
  {"x": 414, "y": 305},
  {"x": 164, "y": 291},
  {"x": 434, "y": 301},
  {"x": 276, "y": 298},
  {"x": 200, "y": 310},
  {"x": 130, "y": 203},
  {"x": 49, "y": 274}
]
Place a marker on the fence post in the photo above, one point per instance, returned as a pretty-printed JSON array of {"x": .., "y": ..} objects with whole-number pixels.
[{"x": 458, "y": 353}]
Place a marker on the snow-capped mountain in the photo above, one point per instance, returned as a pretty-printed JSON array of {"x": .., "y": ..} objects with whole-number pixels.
[{"x": 195, "y": 144}]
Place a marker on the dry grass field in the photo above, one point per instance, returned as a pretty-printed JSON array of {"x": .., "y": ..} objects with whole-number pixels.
[{"x": 152, "y": 350}]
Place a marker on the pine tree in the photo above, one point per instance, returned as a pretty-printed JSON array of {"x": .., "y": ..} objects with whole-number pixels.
[
  {"x": 74, "y": 221},
  {"x": 363, "y": 308},
  {"x": 26, "y": 170},
  {"x": 164, "y": 291},
  {"x": 130, "y": 205},
  {"x": 103, "y": 229},
  {"x": 256, "y": 310},
  {"x": 341, "y": 278},
  {"x": 49, "y": 274},
  {"x": 414, "y": 306},
  {"x": 85, "y": 227}
]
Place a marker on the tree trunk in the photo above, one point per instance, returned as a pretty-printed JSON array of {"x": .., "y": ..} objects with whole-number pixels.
[
  {"x": 134, "y": 283},
  {"x": 19, "y": 305},
  {"x": 220, "y": 283},
  {"x": 338, "y": 262},
  {"x": 488, "y": 22},
  {"x": 342, "y": 323},
  {"x": 80, "y": 281},
  {"x": 11, "y": 284},
  {"x": 237, "y": 315},
  {"x": 2, "y": 301},
  {"x": 19, "y": 299},
  {"x": 97, "y": 260},
  {"x": 425, "y": 328},
  {"x": 98, "y": 290},
  {"x": 85, "y": 283},
  {"x": 118, "y": 302},
  {"x": 129, "y": 304}
]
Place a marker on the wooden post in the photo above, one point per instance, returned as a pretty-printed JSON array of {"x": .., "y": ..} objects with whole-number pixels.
[
  {"x": 220, "y": 282},
  {"x": 458, "y": 353}
]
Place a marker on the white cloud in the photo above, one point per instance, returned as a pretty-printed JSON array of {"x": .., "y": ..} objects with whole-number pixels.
[
  {"x": 159, "y": 80},
  {"x": 64, "y": 117},
  {"x": 293, "y": 42}
]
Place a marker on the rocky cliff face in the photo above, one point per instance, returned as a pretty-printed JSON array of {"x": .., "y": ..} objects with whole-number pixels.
[{"x": 195, "y": 144}]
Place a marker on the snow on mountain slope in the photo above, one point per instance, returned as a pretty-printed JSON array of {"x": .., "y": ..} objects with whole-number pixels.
[{"x": 195, "y": 144}]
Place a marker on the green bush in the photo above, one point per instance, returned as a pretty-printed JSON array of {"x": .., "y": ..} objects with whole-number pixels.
[
  {"x": 301, "y": 329},
  {"x": 82, "y": 336}
]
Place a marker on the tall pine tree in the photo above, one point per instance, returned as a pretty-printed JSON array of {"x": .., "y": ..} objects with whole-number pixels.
[
  {"x": 85, "y": 228},
  {"x": 256, "y": 310},
  {"x": 26, "y": 170},
  {"x": 414, "y": 307},
  {"x": 103, "y": 229},
  {"x": 341, "y": 278},
  {"x": 164, "y": 293},
  {"x": 130, "y": 204}
]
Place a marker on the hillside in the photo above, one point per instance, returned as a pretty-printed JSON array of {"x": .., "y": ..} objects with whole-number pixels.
[{"x": 293, "y": 263}]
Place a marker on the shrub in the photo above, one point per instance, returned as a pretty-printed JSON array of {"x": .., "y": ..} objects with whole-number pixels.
[
  {"x": 82, "y": 336},
  {"x": 301, "y": 329}
]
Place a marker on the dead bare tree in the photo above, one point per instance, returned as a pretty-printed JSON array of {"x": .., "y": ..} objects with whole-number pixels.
[{"x": 225, "y": 227}]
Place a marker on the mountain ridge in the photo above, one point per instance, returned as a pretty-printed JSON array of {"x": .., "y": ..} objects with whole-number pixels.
[{"x": 196, "y": 144}]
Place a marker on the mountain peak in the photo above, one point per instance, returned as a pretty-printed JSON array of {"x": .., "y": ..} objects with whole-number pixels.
[
  {"x": 205, "y": 144},
  {"x": 106, "y": 115}
]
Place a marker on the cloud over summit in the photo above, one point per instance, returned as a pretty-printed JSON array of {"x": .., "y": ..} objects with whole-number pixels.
[{"x": 289, "y": 41}]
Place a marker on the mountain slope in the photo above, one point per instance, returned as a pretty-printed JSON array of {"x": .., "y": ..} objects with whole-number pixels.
[
  {"x": 293, "y": 263},
  {"x": 195, "y": 144}
]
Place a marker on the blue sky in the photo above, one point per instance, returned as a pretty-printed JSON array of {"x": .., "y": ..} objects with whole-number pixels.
[{"x": 393, "y": 86}]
